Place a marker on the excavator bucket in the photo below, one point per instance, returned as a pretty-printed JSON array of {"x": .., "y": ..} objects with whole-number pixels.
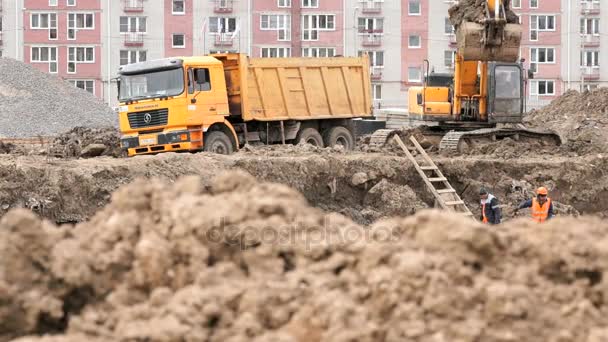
[{"x": 489, "y": 42}]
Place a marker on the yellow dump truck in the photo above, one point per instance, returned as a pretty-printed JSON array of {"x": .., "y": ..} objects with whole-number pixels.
[{"x": 219, "y": 102}]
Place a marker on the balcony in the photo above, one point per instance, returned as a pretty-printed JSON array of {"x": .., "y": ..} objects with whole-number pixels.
[
  {"x": 590, "y": 73},
  {"x": 224, "y": 39},
  {"x": 590, "y": 8},
  {"x": 371, "y": 40},
  {"x": 371, "y": 7},
  {"x": 133, "y": 6},
  {"x": 376, "y": 73},
  {"x": 223, "y": 6},
  {"x": 134, "y": 39},
  {"x": 590, "y": 40}
]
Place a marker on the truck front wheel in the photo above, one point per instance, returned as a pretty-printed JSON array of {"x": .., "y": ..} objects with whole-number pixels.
[
  {"x": 218, "y": 142},
  {"x": 339, "y": 135},
  {"x": 310, "y": 136}
]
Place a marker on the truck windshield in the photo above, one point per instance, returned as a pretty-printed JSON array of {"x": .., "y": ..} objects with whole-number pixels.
[
  {"x": 150, "y": 85},
  {"x": 508, "y": 82}
]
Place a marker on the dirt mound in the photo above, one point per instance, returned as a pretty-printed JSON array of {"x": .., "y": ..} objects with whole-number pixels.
[
  {"x": 581, "y": 118},
  {"x": 87, "y": 142},
  {"x": 475, "y": 11},
  {"x": 35, "y": 103},
  {"x": 240, "y": 260}
]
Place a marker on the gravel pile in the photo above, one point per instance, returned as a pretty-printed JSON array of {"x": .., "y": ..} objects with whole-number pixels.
[{"x": 34, "y": 103}]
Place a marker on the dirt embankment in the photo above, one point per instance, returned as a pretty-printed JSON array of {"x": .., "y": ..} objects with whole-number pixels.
[
  {"x": 475, "y": 11},
  {"x": 235, "y": 259}
]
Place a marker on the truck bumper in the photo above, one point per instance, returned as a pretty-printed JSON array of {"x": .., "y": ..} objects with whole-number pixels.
[{"x": 161, "y": 142}]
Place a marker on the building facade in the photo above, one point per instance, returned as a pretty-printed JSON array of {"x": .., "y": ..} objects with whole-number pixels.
[{"x": 86, "y": 41}]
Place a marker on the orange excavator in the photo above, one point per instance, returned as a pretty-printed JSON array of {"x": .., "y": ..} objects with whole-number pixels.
[{"x": 484, "y": 98}]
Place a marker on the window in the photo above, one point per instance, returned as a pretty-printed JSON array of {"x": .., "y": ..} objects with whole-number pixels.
[
  {"x": 310, "y": 3},
  {"x": 45, "y": 21},
  {"x": 132, "y": 24},
  {"x": 376, "y": 58},
  {"x": 515, "y": 3},
  {"x": 413, "y": 74},
  {"x": 88, "y": 85},
  {"x": 377, "y": 92},
  {"x": 276, "y": 52},
  {"x": 533, "y": 3},
  {"x": 312, "y": 24},
  {"x": 448, "y": 27},
  {"x": 71, "y": 2},
  {"x": 449, "y": 56},
  {"x": 132, "y": 56},
  {"x": 52, "y": 2},
  {"x": 590, "y": 26},
  {"x": 78, "y": 55},
  {"x": 284, "y": 3},
  {"x": 538, "y": 87},
  {"x": 199, "y": 80},
  {"x": 178, "y": 41},
  {"x": 279, "y": 23},
  {"x": 371, "y": 25},
  {"x": 542, "y": 55},
  {"x": 79, "y": 21},
  {"x": 414, "y": 41},
  {"x": 414, "y": 7},
  {"x": 539, "y": 23},
  {"x": 222, "y": 25},
  {"x": 318, "y": 52},
  {"x": 178, "y": 7},
  {"x": 590, "y": 59},
  {"x": 44, "y": 54}
]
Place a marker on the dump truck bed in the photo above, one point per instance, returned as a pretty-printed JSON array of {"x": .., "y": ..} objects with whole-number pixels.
[{"x": 274, "y": 89}]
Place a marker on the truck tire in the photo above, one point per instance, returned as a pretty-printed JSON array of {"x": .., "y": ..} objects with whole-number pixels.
[
  {"x": 339, "y": 135},
  {"x": 310, "y": 136},
  {"x": 218, "y": 142}
]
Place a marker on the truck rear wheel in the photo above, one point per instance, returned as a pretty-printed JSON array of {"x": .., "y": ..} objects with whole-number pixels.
[
  {"x": 339, "y": 135},
  {"x": 310, "y": 136},
  {"x": 218, "y": 142}
]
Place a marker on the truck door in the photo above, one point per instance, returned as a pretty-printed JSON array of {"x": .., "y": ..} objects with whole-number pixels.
[
  {"x": 201, "y": 91},
  {"x": 506, "y": 93}
]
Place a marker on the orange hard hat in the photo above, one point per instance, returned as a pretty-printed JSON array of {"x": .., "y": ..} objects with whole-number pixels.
[{"x": 542, "y": 191}]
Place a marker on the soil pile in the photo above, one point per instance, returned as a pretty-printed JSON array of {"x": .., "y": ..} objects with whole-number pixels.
[
  {"x": 242, "y": 260},
  {"x": 581, "y": 118},
  {"x": 35, "y": 103},
  {"x": 87, "y": 142},
  {"x": 475, "y": 11}
]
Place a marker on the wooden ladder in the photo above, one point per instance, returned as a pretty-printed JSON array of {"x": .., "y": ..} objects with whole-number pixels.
[{"x": 438, "y": 184}]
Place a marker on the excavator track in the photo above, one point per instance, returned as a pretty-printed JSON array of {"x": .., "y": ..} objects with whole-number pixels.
[
  {"x": 381, "y": 137},
  {"x": 452, "y": 141}
]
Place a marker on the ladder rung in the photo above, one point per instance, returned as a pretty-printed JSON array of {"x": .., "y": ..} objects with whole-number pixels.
[
  {"x": 438, "y": 179},
  {"x": 454, "y": 203},
  {"x": 428, "y": 168},
  {"x": 445, "y": 191}
]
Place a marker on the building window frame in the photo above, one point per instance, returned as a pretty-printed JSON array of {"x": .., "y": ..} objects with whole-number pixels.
[
  {"x": 279, "y": 52},
  {"x": 535, "y": 87},
  {"x": 84, "y": 83},
  {"x": 176, "y": 35},
  {"x": 409, "y": 8},
  {"x": 173, "y": 6}
]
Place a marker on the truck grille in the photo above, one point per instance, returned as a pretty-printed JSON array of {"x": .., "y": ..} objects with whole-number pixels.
[{"x": 149, "y": 118}]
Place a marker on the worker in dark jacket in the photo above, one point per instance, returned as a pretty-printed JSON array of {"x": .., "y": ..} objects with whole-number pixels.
[
  {"x": 490, "y": 210},
  {"x": 542, "y": 206}
]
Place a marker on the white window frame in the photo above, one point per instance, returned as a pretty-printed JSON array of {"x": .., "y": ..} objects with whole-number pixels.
[
  {"x": 595, "y": 58},
  {"x": 595, "y": 26},
  {"x": 284, "y": 3},
  {"x": 39, "y": 14},
  {"x": 374, "y": 58},
  {"x": 75, "y": 27},
  {"x": 377, "y": 25},
  {"x": 316, "y": 52},
  {"x": 282, "y": 23},
  {"x": 409, "y": 12},
  {"x": 75, "y": 82},
  {"x": 535, "y": 86},
  {"x": 409, "y": 37},
  {"x": 533, "y": 2},
  {"x": 70, "y": 3},
  {"x": 173, "y": 7},
  {"x": 53, "y": 3},
  {"x": 375, "y": 88},
  {"x": 284, "y": 51},
  {"x": 513, "y": 4},
  {"x": 411, "y": 80},
  {"x": 173, "y": 41},
  {"x": 314, "y": 32},
  {"x": 310, "y": 3},
  {"x": 534, "y": 57},
  {"x": 445, "y": 26},
  {"x": 132, "y": 53},
  {"x": 225, "y": 24},
  {"x": 50, "y": 60},
  {"x": 138, "y": 25},
  {"x": 452, "y": 58}
]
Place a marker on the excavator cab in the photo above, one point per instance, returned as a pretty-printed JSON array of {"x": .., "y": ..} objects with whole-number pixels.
[{"x": 505, "y": 93}]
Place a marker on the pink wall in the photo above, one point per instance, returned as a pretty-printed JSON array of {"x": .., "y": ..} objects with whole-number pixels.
[
  {"x": 418, "y": 25},
  {"x": 62, "y": 5},
  {"x": 178, "y": 23}
]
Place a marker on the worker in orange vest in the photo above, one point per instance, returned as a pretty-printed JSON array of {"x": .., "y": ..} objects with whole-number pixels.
[
  {"x": 490, "y": 210},
  {"x": 542, "y": 207}
]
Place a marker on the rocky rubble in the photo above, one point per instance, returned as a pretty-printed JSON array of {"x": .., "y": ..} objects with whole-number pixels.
[{"x": 243, "y": 260}]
